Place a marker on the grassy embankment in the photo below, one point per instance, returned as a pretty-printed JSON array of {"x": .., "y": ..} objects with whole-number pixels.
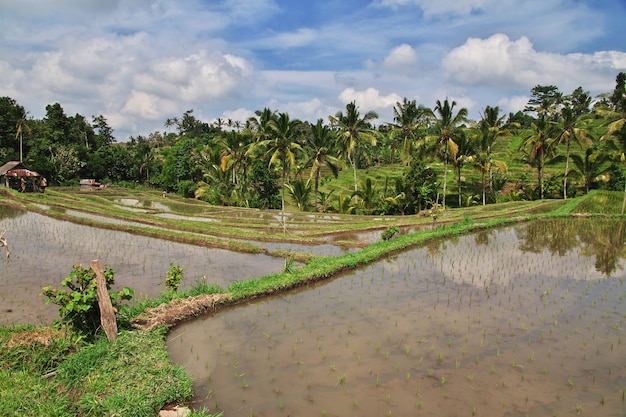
[{"x": 44, "y": 371}]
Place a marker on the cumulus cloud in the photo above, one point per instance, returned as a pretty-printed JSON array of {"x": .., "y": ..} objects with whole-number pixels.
[
  {"x": 370, "y": 99},
  {"x": 513, "y": 104},
  {"x": 500, "y": 62},
  {"x": 401, "y": 59}
]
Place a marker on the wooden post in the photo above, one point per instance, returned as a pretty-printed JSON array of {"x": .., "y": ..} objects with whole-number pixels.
[{"x": 107, "y": 312}]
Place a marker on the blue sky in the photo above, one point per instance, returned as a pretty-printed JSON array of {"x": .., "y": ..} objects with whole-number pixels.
[{"x": 139, "y": 62}]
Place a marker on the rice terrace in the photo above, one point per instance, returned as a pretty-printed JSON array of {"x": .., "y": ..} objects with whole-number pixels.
[
  {"x": 433, "y": 266},
  {"x": 498, "y": 310}
]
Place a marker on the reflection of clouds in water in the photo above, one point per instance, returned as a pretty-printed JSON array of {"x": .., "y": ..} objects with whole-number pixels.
[
  {"x": 44, "y": 249},
  {"x": 501, "y": 261}
]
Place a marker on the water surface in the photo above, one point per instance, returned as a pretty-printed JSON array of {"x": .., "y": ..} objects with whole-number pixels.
[{"x": 526, "y": 320}]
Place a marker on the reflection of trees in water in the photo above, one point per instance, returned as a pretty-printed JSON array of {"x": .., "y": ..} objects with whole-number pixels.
[
  {"x": 602, "y": 238},
  {"x": 9, "y": 212},
  {"x": 482, "y": 237},
  {"x": 607, "y": 245}
]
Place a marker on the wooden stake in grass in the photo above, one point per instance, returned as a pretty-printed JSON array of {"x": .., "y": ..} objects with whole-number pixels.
[{"x": 107, "y": 312}]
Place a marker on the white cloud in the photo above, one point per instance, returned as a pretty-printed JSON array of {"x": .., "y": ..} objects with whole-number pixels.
[
  {"x": 500, "y": 62},
  {"x": 402, "y": 59},
  {"x": 143, "y": 105},
  {"x": 370, "y": 99},
  {"x": 513, "y": 104},
  {"x": 298, "y": 38}
]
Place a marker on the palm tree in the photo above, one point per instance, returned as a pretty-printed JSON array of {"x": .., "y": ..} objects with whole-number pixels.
[
  {"x": 320, "y": 147},
  {"x": 281, "y": 147},
  {"x": 408, "y": 118},
  {"x": 147, "y": 158},
  {"x": 490, "y": 128},
  {"x": 447, "y": 127},
  {"x": 617, "y": 115},
  {"x": 538, "y": 145},
  {"x": 260, "y": 123},
  {"x": 367, "y": 195},
  {"x": 300, "y": 192},
  {"x": 464, "y": 155},
  {"x": 592, "y": 164},
  {"x": 19, "y": 133},
  {"x": 234, "y": 153},
  {"x": 352, "y": 129},
  {"x": 568, "y": 131}
]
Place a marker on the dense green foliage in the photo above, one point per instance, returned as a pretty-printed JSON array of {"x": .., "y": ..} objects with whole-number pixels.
[{"x": 558, "y": 147}]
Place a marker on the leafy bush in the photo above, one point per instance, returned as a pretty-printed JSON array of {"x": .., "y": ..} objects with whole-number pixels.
[
  {"x": 390, "y": 232},
  {"x": 79, "y": 306},
  {"x": 186, "y": 188},
  {"x": 173, "y": 277}
]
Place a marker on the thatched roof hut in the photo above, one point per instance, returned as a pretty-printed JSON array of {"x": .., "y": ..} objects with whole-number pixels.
[{"x": 14, "y": 171}]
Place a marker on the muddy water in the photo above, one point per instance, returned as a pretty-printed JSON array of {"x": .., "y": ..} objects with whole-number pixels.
[
  {"x": 43, "y": 251},
  {"x": 514, "y": 322}
]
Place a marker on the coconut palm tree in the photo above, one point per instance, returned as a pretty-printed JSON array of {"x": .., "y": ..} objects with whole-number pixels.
[
  {"x": 320, "y": 147},
  {"x": 538, "y": 145},
  {"x": 234, "y": 153},
  {"x": 281, "y": 147},
  {"x": 570, "y": 130},
  {"x": 408, "y": 118},
  {"x": 490, "y": 128},
  {"x": 592, "y": 164},
  {"x": 447, "y": 126},
  {"x": 352, "y": 129},
  {"x": 368, "y": 195},
  {"x": 465, "y": 154},
  {"x": 617, "y": 117}
]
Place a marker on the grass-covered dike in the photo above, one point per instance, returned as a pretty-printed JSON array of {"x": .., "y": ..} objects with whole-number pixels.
[{"x": 53, "y": 371}]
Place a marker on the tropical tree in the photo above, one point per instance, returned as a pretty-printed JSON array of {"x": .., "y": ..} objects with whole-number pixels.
[
  {"x": 490, "y": 127},
  {"x": 367, "y": 195},
  {"x": 617, "y": 119},
  {"x": 352, "y": 129},
  {"x": 538, "y": 145},
  {"x": 465, "y": 154},
  {"x": 447, "y": 126},
  {"x": 320, "y": 150},
  {"x": 591, "y": 165},
  {"x": 300, "y": 192},
  {"x": 408, "y": 118},
  {"x": 233, "y": 148},
  {"x": 281, "y": 147},
  {"x": 260, "y": 124},
  {"x": 569, "y": 130}
]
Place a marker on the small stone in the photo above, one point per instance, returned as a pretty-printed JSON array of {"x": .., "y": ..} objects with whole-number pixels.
[{"x": 175, "y": 412}]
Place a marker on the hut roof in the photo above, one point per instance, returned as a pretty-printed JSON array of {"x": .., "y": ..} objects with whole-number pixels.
[{"x": 17, "y": 169}]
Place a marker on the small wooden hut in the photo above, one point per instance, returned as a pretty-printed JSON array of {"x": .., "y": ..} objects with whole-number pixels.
[{"x": 13, "y": 172}]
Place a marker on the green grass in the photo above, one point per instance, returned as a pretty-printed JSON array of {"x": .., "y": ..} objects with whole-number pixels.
[{"x": 63, "y": 377}]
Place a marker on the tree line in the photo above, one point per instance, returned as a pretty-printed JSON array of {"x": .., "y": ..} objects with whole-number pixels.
[{"x": 271, "y": 158}]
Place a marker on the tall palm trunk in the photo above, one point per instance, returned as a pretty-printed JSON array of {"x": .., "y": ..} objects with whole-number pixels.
[
  {"x": 282, "y": 212},
  {"x": 445, "y": 176},
  {"x": 460, "y": 202},
  {"x": 317, "y": 187},
  {"x": 483, "y": 180},
  {"x": 566, "y": 171}
]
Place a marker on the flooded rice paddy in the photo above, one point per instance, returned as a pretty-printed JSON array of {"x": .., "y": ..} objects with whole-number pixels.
[
  {"x": 521, "y": 321},
  {"x": 44, "y": 249}
]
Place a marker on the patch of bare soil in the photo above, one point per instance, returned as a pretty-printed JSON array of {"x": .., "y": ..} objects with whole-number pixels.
[
  {"x": 44, "y": 336},
  {"x": 177, "y": 311}
]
